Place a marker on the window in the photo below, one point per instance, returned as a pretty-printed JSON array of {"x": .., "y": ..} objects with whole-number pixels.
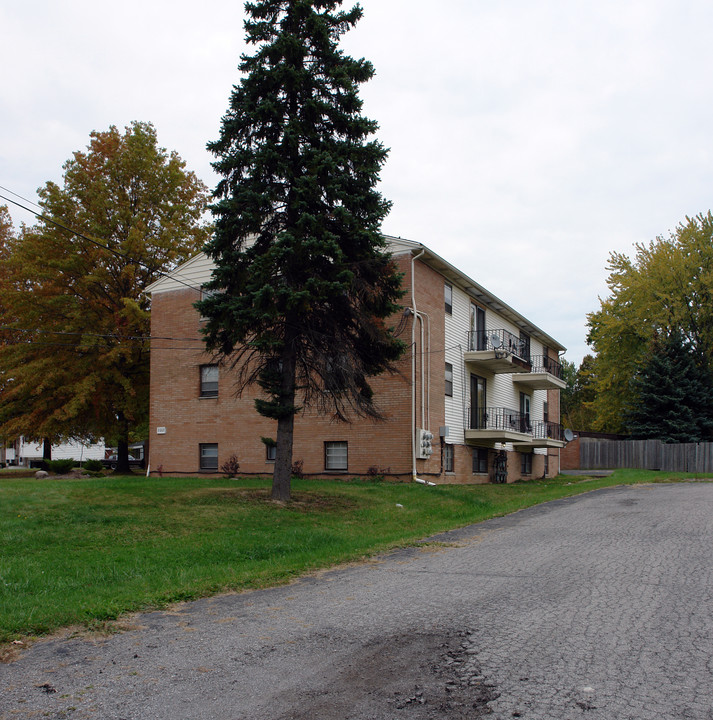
[
  {"x": 525, "y": 401},
  {"x": 270, "y": 453},
  {"x": 526, "y": 463},
  {"x": 209, "y": 381},
  {"x": 449, "y": 380},
  {"x": 546, "y": 411},
  {"x": 208, "y": 456},
  {"x": 478, "y": 405},
  {"x": 476, "y": 339},
  {"x": 206, "y": 294},
  {"x": 336, "y": 456},
  {"x": 525, "y": 346},
  {"x": 448, "y": 458},
  {"x": 448, "y": 296},
  {"x": 480, "y": 461}
]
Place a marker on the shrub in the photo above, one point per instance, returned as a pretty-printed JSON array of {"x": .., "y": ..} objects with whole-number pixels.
[
  {"x": 60, "y": 467},
  {"x": 93, "y": 465},
  {"x": 231, "y": 466},
  {"x": 297, "y": 469},
  {"x": 377, "y": 472}
]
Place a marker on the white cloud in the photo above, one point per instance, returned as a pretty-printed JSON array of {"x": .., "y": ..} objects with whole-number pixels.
[{"x": 528, "y": 140}]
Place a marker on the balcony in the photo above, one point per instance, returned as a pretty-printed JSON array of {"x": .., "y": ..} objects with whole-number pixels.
[
  {"x": 544, "y": 435},
  {"x": 546, "y": 374},
  {"x": 497, "y": 351},
  {"x": 487, "y": 426}
]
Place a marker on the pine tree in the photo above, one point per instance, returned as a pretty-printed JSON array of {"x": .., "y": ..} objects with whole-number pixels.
[
  {"x": 303, "y": 282},
  {"x": 672, "y": 395}
]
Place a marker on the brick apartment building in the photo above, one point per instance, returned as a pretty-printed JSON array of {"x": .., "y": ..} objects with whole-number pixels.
[{"x": 479, "y": 378}]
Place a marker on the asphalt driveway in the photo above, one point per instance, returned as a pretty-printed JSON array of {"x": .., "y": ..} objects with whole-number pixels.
[{"x": 597, "y": 607}]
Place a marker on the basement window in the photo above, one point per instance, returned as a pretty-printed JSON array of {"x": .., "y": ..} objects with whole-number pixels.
[
  {"x": 449, "y": 462},
  {"x": 480, "y": 461},
  {"x": 526, "y": 463},
  {"x": 208, "y": 456},
  {"x": 336, "y": 455}
]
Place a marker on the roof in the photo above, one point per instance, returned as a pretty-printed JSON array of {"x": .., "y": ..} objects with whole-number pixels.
[
  {"x": 197, "y": 271},
  {"x": 472, "y": 288}
]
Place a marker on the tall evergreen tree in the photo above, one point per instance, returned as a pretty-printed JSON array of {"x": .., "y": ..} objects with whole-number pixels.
[
  {"x": 672, "y": 396},
  {"x": 303, "y": 282}
]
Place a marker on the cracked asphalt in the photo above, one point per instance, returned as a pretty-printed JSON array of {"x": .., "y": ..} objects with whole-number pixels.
[{"x": 597, "y": 607}]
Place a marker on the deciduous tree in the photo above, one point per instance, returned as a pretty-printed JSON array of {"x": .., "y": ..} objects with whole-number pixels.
[
  {"x": 577, "y": 398},
  {"x": 77, "y": 324},
  {"x": 666, "y": 288},
  {"x": 6, "y": 237},
  {"x": 302, "y": 277}
]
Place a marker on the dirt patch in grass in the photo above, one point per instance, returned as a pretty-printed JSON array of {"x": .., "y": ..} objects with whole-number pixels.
[{"x": 300, "y": 501}]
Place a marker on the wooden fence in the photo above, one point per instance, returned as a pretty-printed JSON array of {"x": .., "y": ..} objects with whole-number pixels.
[{"x": 596, "y": 454}]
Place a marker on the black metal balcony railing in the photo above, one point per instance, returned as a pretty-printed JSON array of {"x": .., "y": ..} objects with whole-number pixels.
[
  {"x": 548, "y": 431},
  {"x": 543, "y": 363},
  {"x": 499, "y": 340},
  {"x": 495, "y": 418}
]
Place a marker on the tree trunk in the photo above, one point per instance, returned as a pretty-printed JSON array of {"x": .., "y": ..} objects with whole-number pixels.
[
  {"x": 46, "y": 449},
  {"x": 282, "y": 472},
  {"x": 122, "y": 450}
]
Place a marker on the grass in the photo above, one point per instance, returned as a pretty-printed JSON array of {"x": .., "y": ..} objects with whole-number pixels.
[{"x": 84, "y": 551}]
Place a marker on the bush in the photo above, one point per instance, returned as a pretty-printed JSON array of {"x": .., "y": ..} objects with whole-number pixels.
[
  {"x": 297, "y": 469},
  {"x": 93, "y": 465},
  {"x": 60, "y": 467},
  {"x": 231, "y": 466}
]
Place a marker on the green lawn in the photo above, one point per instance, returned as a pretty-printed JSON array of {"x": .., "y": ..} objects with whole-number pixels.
[{"x": 85, "y": 551}]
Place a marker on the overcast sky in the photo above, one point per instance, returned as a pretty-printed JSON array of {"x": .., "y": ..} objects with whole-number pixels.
[{"x": 529, "y": 138}]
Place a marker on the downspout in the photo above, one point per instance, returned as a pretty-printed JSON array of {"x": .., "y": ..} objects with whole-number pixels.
[
  {"x": 413, "y": 361},
  {"x": 425, "y": 370}
]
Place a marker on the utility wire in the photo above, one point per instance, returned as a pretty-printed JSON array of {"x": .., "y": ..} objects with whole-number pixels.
[
  {"x": 22, "y": 197},
  {"x": 97, "y": 243},
  {"x": 99, "y": 335}
]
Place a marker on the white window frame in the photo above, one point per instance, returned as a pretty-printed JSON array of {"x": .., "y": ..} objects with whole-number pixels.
[
  {"x": 207, "y": 390},
  {"x": 448, "y": 298},
  {"x": 336, "y": 455},
  {"x": 449, "y": 458},
  {"x": 203, "y": 456}
]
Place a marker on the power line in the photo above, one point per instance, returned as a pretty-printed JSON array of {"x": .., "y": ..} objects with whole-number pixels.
[
  {"x": 96, "y": 242},
  {"x": 98, "y": 335},
  {"x": 22, "y": 197}
]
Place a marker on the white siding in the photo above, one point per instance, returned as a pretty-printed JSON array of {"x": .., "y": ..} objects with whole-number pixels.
[
  {"x": 194, "y": 273},
  {"x": 501, "y": 391},
  {"x": 64, "y": 451},
  {"x": 456, "y": 337}
]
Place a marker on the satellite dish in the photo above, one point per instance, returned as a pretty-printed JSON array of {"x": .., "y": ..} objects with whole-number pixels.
[
  {"x": 496, "y": 341},
  {"x": 568, "y": 435}
]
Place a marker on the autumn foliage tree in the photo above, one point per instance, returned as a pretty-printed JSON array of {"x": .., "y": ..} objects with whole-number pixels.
[
  {"x": 75, "y": 328},
  {"x": 577, "y": 398},
  {"x": 666, "y": 288},
  {"x": 303, "y": 282}
]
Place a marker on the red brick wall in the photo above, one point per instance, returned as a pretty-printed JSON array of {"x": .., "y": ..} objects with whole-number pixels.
[
  {"x": 553, "y": 405},
  {"x": 233, "y": 422},
  {"x": 569, "y": 455}
]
